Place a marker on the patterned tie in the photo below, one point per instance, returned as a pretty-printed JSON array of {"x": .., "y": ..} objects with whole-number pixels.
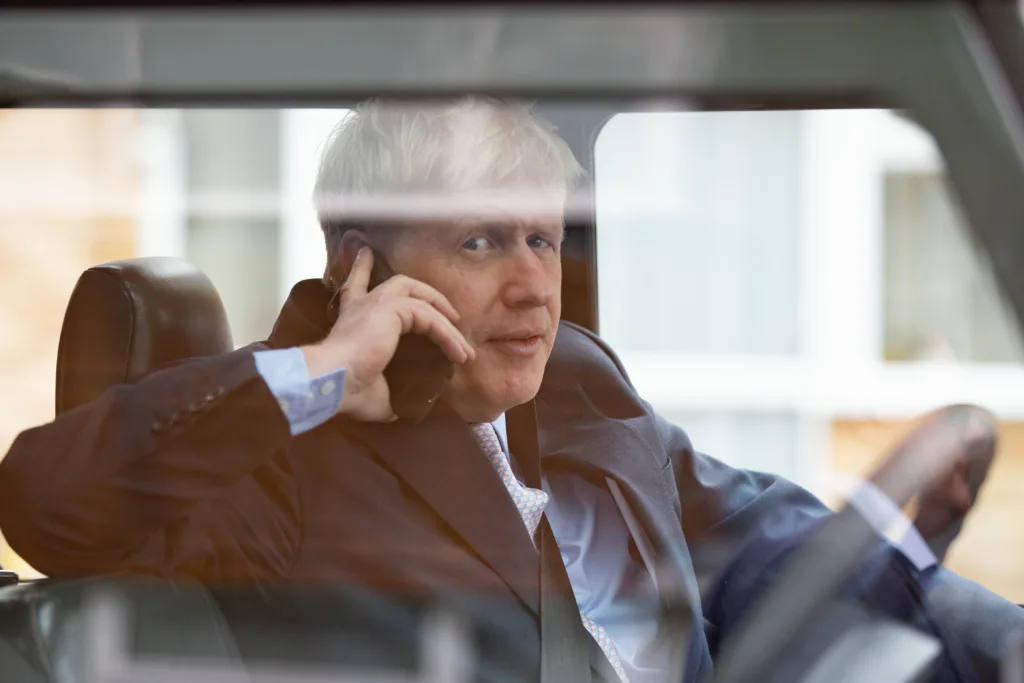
[{"x": 531, "y": 503}]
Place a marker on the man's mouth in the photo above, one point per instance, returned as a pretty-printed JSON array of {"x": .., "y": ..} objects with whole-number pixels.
[{"x": 519, "y": 344}]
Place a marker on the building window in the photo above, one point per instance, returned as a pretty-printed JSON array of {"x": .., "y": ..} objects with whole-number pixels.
[
  {"x": 697, "y": 218},
  {"x": 767, "y": 276},
  {"x": 698, "y": 223},
  {"x": 941, "y": 299},
  {"x": 232, "y": 177}
]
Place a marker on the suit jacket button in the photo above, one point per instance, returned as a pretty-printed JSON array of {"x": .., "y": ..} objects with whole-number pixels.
[{"x": 158, "y": 427}]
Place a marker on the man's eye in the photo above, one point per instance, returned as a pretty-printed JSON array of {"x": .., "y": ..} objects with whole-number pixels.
[
  {"x": 475, "y": 243},
  {"x": 538, "y": 242}
]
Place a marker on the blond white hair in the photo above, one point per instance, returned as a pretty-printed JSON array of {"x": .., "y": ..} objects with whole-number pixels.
[{"x": 389, "y": 160}]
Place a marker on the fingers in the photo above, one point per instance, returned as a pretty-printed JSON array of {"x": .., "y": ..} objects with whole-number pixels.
[
  {"x": 420, "y": 317},
  {"x": 358, "y": 279},
  {"x": 358, "y": 282},
  {"x": 400, "y": 285},
  {"x": 421, "y": 308}
]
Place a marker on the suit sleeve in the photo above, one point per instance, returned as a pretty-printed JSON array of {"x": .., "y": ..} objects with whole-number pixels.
[
  {"x": 184, "y": 473},
  {"x": 719, "y": 505}
]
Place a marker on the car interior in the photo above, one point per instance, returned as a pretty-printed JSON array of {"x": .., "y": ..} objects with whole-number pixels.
[{"x": 954, "y": 68}]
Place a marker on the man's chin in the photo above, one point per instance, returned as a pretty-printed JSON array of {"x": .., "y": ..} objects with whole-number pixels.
[
  {"x": 521, "y": 389},
  {"x": 491, "y": 399}
]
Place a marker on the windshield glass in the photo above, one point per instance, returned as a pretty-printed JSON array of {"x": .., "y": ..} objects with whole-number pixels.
[
  {"x": 790, "y": 287},
  {"x": 677, "y": 292}
]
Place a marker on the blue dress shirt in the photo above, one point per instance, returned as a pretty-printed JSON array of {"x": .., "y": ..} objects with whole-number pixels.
[{"x": 305, "y": 402}]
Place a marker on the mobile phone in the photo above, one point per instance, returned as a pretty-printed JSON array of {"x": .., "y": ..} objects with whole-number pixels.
[{"x": 419, "y": 370}]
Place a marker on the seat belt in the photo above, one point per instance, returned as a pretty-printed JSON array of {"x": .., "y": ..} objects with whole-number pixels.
[
  {"x": 567, "y": 652},
  {"x": 566, "y": 648}
]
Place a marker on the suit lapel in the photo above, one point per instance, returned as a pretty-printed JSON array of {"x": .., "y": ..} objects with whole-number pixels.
[
  {"x": 521, "y": 424},
  {"x": 578, "y": 439},
  {"x": 441, "y": 461},
  {"x": 615, "y": 456}
]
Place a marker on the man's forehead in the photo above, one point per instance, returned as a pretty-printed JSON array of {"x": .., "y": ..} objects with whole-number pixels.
[
  {"x": 496, "y": 221},
  {"x": 525, "y": 206},
  {"x": 493, "y": 219}
]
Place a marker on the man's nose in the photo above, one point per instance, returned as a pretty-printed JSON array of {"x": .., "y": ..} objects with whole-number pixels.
[{"x": 529, "y": 280}]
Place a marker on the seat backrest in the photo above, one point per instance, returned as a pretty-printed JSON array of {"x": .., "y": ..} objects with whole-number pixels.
[{"x": 128, "y": 318}]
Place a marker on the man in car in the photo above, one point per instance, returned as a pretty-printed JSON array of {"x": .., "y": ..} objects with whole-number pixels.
[{"x": 285, "y": 460}]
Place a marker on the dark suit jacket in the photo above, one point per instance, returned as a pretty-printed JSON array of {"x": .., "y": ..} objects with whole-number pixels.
[{"x": 193, "y": 471}]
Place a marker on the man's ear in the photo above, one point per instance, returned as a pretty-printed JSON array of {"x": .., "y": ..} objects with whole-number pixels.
[{"x": 351, "y": 242}]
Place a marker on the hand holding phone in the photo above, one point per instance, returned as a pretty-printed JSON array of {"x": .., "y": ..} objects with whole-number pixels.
[
  {"x": 419, "y": 370},
  {"x": 376, "y": 313}
]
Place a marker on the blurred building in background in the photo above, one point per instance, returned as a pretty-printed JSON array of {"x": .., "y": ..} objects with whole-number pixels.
[{"x": 792, "y": 288}]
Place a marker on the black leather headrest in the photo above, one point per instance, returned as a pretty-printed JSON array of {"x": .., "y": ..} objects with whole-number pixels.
[{"x": 128, "y": 318}]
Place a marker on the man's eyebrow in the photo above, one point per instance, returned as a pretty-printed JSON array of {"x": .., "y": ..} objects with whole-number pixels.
[{"x": 503, "y": 223}]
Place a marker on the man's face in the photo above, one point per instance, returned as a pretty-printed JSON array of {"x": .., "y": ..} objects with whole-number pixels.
[{"x": 503, "y": 274}]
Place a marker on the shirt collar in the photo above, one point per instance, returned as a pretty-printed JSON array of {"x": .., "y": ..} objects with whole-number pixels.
[{"x": 499, "y": 427}]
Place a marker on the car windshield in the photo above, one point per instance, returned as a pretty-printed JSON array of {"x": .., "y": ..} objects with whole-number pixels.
[{"x": 794, "y": 257}]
